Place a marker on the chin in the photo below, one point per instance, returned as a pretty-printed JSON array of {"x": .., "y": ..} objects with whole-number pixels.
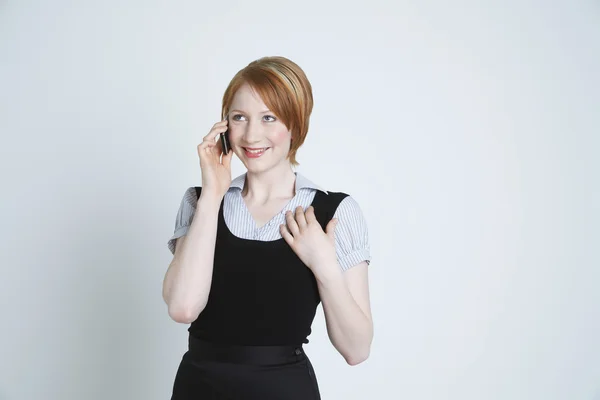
[{"x": 259, "y": 167}]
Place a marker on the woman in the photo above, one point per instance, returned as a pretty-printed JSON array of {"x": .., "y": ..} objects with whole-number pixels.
[{"x": 254, "y": 256}]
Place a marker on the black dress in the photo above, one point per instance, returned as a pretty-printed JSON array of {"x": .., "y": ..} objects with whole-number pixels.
[{"x": 247, "y": 342}]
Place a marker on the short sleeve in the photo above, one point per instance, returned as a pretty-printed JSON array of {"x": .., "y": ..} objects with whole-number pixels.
[
  {"x": 185, "y": 214},
  {"x": 351, "y": 235}
]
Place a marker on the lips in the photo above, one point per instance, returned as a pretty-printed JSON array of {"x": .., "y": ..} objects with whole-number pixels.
[{"x": 255, "y": 152}]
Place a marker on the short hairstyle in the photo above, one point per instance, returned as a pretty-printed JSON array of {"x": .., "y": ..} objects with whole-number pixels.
[{"x": 284, "y": 88}]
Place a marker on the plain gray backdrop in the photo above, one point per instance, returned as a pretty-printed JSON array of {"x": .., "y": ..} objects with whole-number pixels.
[{"x": 467, "y": 131}]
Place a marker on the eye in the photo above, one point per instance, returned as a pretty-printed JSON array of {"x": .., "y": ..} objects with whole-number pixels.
[
  {"x": 237, "y": 117},
  {"x": 272, "y": 118}
]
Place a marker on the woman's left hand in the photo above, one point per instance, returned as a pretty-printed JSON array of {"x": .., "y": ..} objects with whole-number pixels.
[{"x": 315, "y": 247}]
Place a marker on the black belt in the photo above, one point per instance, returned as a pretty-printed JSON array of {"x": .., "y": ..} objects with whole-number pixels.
[{"x": 241, "y": 354}]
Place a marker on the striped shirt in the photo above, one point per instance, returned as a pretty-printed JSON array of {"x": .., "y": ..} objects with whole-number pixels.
[{"x": 351, "y": 234}]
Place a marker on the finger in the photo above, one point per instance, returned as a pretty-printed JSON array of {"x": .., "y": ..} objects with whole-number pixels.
[
  {"x": 300, "y": 218},
  {"x": 221, "y": 123},
  {"x": 291, "y": 223},
  {"x": 226, "y": 160},
  {"x": 205, "y": 149},
  {"x": 201, "y": 147},
  {"x": 217, "y": 128},
  {"x": 285, "y": 234},
  {"x": 213, "y": 135},
  {"x": 330, "y": 228},
  {"x": 219, "y": 148},
  {"x": 310, "y": 215},
  {"x": 206, "y": 146}
]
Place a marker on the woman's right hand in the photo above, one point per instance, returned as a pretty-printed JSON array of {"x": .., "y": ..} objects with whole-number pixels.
[{"x": 215, "y": 166}]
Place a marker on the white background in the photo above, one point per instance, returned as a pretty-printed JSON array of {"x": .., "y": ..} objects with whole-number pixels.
[{"x": 467, "y": 131}]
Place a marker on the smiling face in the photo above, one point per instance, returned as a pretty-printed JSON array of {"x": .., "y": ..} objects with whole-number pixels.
[{"x": 257, "y": 136}]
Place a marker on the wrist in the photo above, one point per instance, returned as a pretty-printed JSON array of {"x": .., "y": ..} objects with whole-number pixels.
[
  {"x": 328, "y": 272},
  {"x": 210, "y": 199}
]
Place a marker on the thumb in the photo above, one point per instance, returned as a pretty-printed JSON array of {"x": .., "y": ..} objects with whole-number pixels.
[
  {"x": 227, "y": 159},
  {"x": 330, "y": 228}
]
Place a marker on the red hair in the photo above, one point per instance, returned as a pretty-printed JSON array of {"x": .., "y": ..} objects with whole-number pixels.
[{"x": 284, "y": 88}]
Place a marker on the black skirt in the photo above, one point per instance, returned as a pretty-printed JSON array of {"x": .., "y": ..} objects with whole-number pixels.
[{"x": 211, "y": 371}]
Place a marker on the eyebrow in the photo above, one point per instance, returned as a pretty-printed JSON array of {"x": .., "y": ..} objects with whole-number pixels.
[{"x": 243, "y": 112}]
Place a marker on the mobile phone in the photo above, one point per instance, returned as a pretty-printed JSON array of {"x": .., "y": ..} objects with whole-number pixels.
[{"x": 225, "y": 142}]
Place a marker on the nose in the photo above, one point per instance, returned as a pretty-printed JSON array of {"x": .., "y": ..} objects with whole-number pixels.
[{"x": 252, "y": 133}]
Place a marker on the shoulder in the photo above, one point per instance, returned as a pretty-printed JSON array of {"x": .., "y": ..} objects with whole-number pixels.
[
  {"x": 191, "y": 195},
  {"x": 349, "y": 215},
  {"x": 185, "y": 214},
  {"x": 351, "y": 233},
  {"x": 348, "y": 205},
  {"x": 345, "y": 205}
]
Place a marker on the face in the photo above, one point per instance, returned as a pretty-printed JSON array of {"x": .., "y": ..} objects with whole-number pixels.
[{"x": 257, "y": 137}]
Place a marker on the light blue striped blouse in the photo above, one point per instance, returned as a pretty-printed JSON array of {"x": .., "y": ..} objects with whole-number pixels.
[{"x": 351, "y": 234}]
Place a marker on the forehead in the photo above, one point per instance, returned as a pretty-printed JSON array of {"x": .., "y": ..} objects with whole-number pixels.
[{"x": 246, "y": 99}]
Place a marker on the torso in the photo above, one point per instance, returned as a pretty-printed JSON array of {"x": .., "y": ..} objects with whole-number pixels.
[
  {"x": 257, "y": 219},
  {"x": 261, "y": 292},
  {"x": 264, "y": 213}
]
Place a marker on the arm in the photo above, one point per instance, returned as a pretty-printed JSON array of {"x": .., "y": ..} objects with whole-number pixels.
[
  {"x": 345, "y": 299},
  {"x": 188, "y": 279},
  {"x": 339, "y": 259}
]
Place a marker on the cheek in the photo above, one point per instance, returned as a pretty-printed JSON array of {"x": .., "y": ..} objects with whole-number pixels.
[
  {"x": 235, "y": 133},
  {"x": 281, "y": 137}
]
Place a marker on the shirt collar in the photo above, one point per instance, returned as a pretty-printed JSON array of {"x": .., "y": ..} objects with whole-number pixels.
[{"x": 301, "y": 183}]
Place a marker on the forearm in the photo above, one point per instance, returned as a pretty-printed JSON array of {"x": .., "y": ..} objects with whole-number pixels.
[
  {"x": 188, "y": 279},
  {"x": 348, "y": 327}
]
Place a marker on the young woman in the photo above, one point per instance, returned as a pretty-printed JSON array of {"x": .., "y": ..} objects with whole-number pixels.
[{"x": 254, "y": 256}]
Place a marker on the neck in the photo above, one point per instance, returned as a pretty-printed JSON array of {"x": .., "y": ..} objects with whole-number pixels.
[{"x": 274, "y": 183}]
